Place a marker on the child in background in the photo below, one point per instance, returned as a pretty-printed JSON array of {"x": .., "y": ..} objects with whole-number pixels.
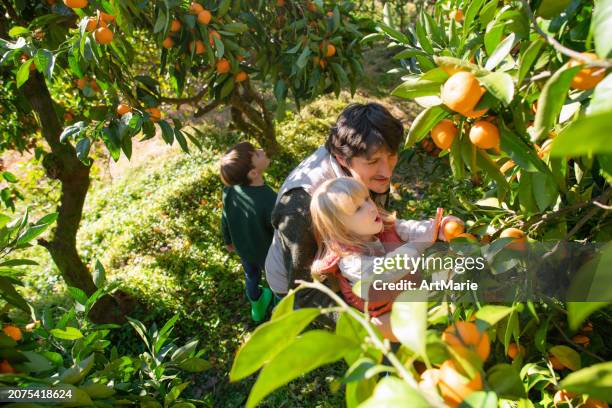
[
  {"x": 349, "y": 229},
  {"x": 245, "y": 221}
]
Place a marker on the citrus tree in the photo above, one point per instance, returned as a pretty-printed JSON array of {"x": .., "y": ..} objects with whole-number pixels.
[
  {"x": 78, "y": 72},
  {"x": 515, "y": 94}
]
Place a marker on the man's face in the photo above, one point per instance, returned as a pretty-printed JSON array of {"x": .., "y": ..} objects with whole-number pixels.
[{"x": 373, "y": 171}]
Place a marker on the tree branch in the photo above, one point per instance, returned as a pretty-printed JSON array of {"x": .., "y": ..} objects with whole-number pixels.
[
  {"x": 604, "y": 63},
  {"x": 186, "y": 100},
  {"x": 204, "y": 110}
]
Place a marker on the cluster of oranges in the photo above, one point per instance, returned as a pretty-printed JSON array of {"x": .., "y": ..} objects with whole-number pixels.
[
  {"x": 155, "y": 113},
  {"x": 452, "y": 381},
  {"x": 81, "y": 83},
  {"x": 462, "y": 93},
  {"x": 98, "y": 25},
  {"x": 453, "y": 230}
]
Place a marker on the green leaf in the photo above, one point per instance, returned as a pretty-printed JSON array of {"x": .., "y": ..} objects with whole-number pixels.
[
  {"x": 82, "y": 148},
  {"x": 8, "y": 292},
  {"x": 18, "y": 31},
  {"x": 551, "y": 100},
  {"x": 175, "y": 392},
  {"x": 596, "y": 381},
  {"x": 23, "y": 73},
  {"x": 77, "y": 294},
  {"x": 551, "y": 8},
  {"x": 421, "y": 34},
  {"x": 194, "y": 365},
  {"x": 98, "y": 390},
  {"x": 500, "y": 85},
  {"x": 268, "y": 340},
  {"x": 393, "y": 392},
  {"x": 409, "y": 322},
  {"x": 523, "y": 155},
  {"x": 415, "y": 87},
  {"x": 602, "y": 28},
  {"x": 8, "y": 176},
  {"x": 424, "y": 122},
  {"x": 167, "y": 132},
  {"x": 37, "y": 362},
  {"x": 493, "y": 313},
  {"x": 69, "y": 333},
  {"x": 568, "y": 356},
  {"x": 505, "y": 381},
  {"x": 311, "y": 350},
  {"x": 45, "y": 62},
  {"x": 302, "y": 60},
  {"x": 470, "y": 15},
  {"x": 501, "y": 51},
  {"x": 593, "y": 132},
  {"x": 78, "y": 371},
  {"x": 544, "y": 190},
  {"x": 602, "y": 96},
  {"x": 528, "y": 57},
  {"x": 397, "y": 36},
  {"x": 480, "y": 399},
  {"x": 99, "y": 274},
  {"x": 577, "y": 312}
]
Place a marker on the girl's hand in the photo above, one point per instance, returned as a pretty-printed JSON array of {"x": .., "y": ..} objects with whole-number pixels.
[{"x": 446, "y": 219}]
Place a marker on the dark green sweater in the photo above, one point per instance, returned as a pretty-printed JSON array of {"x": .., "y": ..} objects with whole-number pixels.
[{"x": 245, "y": 220}]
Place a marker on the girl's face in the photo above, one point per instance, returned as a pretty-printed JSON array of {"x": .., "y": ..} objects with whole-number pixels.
[{"x": 364, "y": 220}]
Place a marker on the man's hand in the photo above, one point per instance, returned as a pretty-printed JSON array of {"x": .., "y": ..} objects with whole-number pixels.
[{"x": 230, "y": 248}]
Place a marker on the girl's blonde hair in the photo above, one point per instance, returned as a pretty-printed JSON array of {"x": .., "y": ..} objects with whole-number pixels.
[{"x": 330, "y": 202}]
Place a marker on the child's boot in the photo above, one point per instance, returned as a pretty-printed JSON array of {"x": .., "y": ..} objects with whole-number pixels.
[{"x": 259, "y": 307}]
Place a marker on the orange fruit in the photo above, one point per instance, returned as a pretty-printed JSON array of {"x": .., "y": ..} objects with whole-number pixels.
[
  {"x": 123, "y": 108},
  {"x": 464, "y": 336},
  {"x": 223, "y": 66},
  {"x": 430, "y": 377},
  {"x": 168, "y": 43},
  {"x": 154, "y": 113},
  {"x": 519, "y": 238},
  {"x": 593, "y": 403},
  {"x": 94, "y": 85},
  {"x": 241, "y": 76},
  {"x": 514, "y": 350},
  {"x": 92, "y": 23},
  {"x": 239, "y": 58},
  {"x": 280, "y": 3},
  {"x": 175, "y": 26},
  {"x": 461, "y": 92},
  {"x": 468, "y": 236},
  {"x": 107, "y": 18},
  {"x": 330, "y": 50},
  {"x": 587, "y": 328},
  {"x": 68, "y": 117},
  {"x": 556, "y": 363},
  {"x": 211, "y": 36},
  {"x": 475, "y": 114},
  {"x": 452, "y": 229},
  {"x": 75, "y": 4},
  {"x": 311, "y": 7},
  {"x": 581, "y": 339},
  {"x": 454, "y": 386},
  {"x": 457, "y": 15},
  {"x": 12, "y": 331},
  {"x": 103, "y": 35},
  {"x": 199, "y": 47},
  {"x": 484, "y": 135},
  {"x": 204, "y": 17},
  {"x": 82, "y": 82},
  {"x": 195, "y": 8},
  {"x": 444, "y": 133},
  {"x": 6, "y": 368},
  {"x": 587, "y": 78}
]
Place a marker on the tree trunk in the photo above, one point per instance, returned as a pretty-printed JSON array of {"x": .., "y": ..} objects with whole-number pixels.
[
  {"x": 62, "y": 164},
  {"x": 257, "y": 123}
]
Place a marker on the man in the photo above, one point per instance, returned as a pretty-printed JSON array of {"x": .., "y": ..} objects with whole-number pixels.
[{"x": 363, "y": 144}]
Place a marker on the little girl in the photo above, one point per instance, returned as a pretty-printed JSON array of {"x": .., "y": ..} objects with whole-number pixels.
[{"x": 351, "y": 231}]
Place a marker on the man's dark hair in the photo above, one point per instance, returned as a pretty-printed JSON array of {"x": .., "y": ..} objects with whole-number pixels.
[
  {"x": 362, "y": 129},
  {"x": 236, "y": 164}
]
